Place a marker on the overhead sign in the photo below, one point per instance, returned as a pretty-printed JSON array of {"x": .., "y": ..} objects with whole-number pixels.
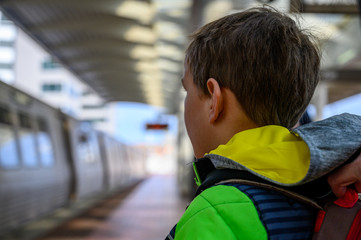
[{"x": 157, "y": 126}]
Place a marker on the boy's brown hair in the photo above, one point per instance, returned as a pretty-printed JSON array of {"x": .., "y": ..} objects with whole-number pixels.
[{"x": 263, "y": 58}]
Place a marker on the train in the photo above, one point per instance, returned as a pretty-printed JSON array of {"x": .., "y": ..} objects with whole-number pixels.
[{"x": 49, "y": 159}]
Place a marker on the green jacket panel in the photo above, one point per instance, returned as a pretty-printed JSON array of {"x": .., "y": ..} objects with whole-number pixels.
[{"x": 221, "y": 210}]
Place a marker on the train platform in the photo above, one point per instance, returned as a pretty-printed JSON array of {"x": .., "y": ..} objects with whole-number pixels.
[{"x": 146, "y": 210}]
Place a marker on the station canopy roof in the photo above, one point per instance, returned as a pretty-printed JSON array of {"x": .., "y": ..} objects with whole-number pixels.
[
  {"x": 132, "y": 50},
  {"x": 125, "y": 50}
]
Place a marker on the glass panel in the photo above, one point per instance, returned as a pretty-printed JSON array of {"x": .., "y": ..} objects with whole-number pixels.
[
  {"x": 27, "y": 142},
  {"x": 93, "y": 147},
  {"x": 25, "y": 121},
  {"x": 51, "y": 63},
  {"x": 51, "y": 87},
  {"x": 8, "y": 153},
  {"x": 5, "y": 117},
  {"x": 95, "y": 106},
  {"x": 88, "y": 150},
  {"x": 45, "y": 145},
  {"x": 85, "y": 152}
]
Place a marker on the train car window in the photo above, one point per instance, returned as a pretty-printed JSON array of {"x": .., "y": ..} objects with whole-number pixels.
[
  {"x": 45, "y": 144},
  {"x": 27, "y": 141},
  {"x": 8, "y": 153},
  {"x": 88, "y": 149},
  {"x": 94, "y": 148},
  {"x": 85, "y": 149}
]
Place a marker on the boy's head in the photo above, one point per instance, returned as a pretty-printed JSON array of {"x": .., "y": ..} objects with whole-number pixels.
[{"x": 261, "y": 55}]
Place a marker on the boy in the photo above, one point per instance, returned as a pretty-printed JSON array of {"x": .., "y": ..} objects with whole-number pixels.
[{"x": 249, "y": 77}]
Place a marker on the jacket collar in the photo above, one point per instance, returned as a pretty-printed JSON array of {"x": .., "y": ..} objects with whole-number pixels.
[{"x": 271, "y": 152}]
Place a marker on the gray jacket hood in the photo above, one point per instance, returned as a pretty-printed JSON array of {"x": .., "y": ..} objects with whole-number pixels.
[{"x": 331, "y": 142}]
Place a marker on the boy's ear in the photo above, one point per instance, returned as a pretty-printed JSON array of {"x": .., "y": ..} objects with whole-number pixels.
[{"x": 216, "y": 101}]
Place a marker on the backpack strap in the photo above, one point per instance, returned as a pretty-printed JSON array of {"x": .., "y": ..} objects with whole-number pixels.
[
  {"x": 285, "y": 192},
  {"x": 315, "y": 194},
  {"x": 207, "y": 175},
  {"x": 338, "y": 221}
]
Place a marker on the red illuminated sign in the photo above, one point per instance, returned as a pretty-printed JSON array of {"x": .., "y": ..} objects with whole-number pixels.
[{"x": 157, "y": 126}]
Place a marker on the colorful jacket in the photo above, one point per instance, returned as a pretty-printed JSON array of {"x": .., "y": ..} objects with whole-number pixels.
[{"x": 283, "y": 157}]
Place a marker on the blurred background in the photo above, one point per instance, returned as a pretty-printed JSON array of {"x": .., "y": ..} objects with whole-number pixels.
[{"x": 116, "y": 65}]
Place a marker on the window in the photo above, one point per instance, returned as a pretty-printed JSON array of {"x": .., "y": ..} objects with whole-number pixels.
[
  {"x": 87, "y": 93},
  {"x": 6, "y": 65},
  {"x": 52, "y": 87},
  {"x": 4, "y": 19},
  {"x": 93, "y": 146},
  {"x": 95, "y": 120},
  {"x": 27, "y": 141},
  {"x": 88, "y": 146},
  {"x": 8, "y": 152},
  {"x": 5, "y": 117},
  {"x": 85, "y": 152},
  {"x": 50, "y": 64},
  {"x": 99, "y": 106},
  {"x": 45, "y": 144},
  {"x": 4, "y": 43}
]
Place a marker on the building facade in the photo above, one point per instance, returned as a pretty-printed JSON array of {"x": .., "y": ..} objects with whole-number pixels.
[{"x": 27, "y": 66}]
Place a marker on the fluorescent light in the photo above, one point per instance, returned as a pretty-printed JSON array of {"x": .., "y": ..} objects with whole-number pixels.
[
  {"x": 140, "y": 34},
  {"x": 152, "y": 88},
  {"x": 346, "y": 56},
  {"x": 171, "y": 51},
  {"x": 145, "y": 66},
  {"x": 169, "y": 30},
  {"x": 143, "y": 52},
  {"x": 141, "y": 11}
]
